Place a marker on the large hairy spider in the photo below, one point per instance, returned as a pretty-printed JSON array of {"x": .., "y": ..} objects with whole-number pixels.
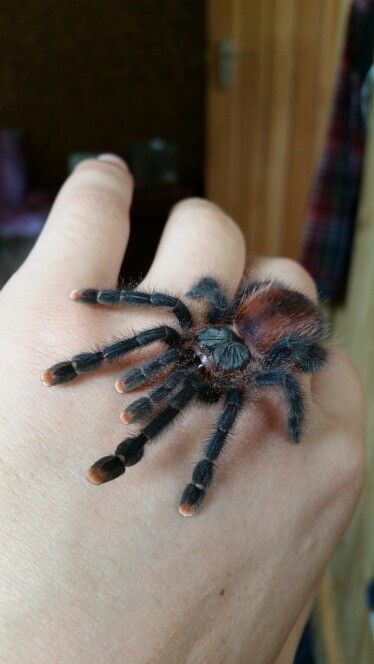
[{"x": 266, "y": 335}]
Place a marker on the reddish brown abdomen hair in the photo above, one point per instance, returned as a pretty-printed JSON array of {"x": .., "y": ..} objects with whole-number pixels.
[{"x": 270, "y": 311}]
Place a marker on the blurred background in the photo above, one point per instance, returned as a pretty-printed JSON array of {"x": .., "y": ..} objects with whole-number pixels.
[{"x": 263, "y": 106}]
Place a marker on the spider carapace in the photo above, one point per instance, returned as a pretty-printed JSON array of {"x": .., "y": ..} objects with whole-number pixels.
[{"x": 221, "y": 348}]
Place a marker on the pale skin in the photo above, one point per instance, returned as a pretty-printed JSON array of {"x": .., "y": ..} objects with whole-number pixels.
[{"x": 114, "y": 573}]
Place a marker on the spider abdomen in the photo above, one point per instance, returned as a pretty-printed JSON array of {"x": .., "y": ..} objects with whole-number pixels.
[{"x": 272, "y": 312}]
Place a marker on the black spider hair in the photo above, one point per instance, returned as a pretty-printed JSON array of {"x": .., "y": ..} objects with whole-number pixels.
[{"x": 266, "y": 335}]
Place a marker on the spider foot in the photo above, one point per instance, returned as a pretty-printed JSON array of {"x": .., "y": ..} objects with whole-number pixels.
[
  {"x": 106, "y": 469},
  {"x": 194, "y": 493},
  {"x": 191, "y": 499},
  {"x": 63, "y": 372},
  {"x": 86, "y": 295},
  {"x": 136, "y": 410},
  {"x": 59, "y": 373}
]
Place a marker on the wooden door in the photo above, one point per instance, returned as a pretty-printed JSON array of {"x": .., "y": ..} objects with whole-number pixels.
[{"x": 265, "y": 128}]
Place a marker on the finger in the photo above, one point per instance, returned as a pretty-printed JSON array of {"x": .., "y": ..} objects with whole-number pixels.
[
  {"x": 199, "y": 239},
  {"x": 85, "y": 236},
  {"x": 285, "y": 270}
]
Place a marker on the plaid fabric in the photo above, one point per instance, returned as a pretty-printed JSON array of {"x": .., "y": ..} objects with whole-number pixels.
[{"x": 333, "y": 205}]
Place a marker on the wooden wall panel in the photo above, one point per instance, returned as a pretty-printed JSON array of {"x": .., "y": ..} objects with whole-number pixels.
[{"x": 265, "y": 133}]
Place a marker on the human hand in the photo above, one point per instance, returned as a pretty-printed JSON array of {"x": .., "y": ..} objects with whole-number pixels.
[{"x": 114, "y": 573}]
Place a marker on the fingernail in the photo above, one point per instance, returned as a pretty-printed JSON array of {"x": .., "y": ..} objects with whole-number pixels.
[{"x": 113, "y": 159}]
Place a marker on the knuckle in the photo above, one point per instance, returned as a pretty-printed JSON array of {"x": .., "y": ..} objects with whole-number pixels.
[
  {"x": 195, "y": 203},
  {"x": 201, "y": 207},
  {"x": 286, "y": 270},
  {"x": 103, "y": 175},
  {"x": 208, "y": 215},
  {"x": 298, "y": 274}
]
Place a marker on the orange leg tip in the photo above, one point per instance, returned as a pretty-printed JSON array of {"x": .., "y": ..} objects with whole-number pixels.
[
  {"x": 125, "y": 417},
  {"x": 75, "y": 294},
  {"x": 120, "y": 386},
  {"x": 47, "y": 378},
  {"x": 94, "y": 476},
  {"x": 106, "y": 469},
  {"x": 187, "y": 510}
]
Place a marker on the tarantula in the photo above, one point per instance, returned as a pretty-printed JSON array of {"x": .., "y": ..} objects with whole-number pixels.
[{"x": 265, "y": 336}]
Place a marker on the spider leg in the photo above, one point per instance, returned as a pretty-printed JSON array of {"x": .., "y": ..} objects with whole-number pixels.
[
  {"x": 138, "y": 376},
  {"x": 313, "y": 358},
  {"x": 293, "y": 396},
  {"x": 131, "y": 450},
  {"x": 202, "y": 475},
  {"x": 310, "y": 357},
  {"x": 140, "y": 408},
  {"x": 65, "y": 371},
  {"x": 210, "y": 290},
  {"x": 135, "y": 298}
]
